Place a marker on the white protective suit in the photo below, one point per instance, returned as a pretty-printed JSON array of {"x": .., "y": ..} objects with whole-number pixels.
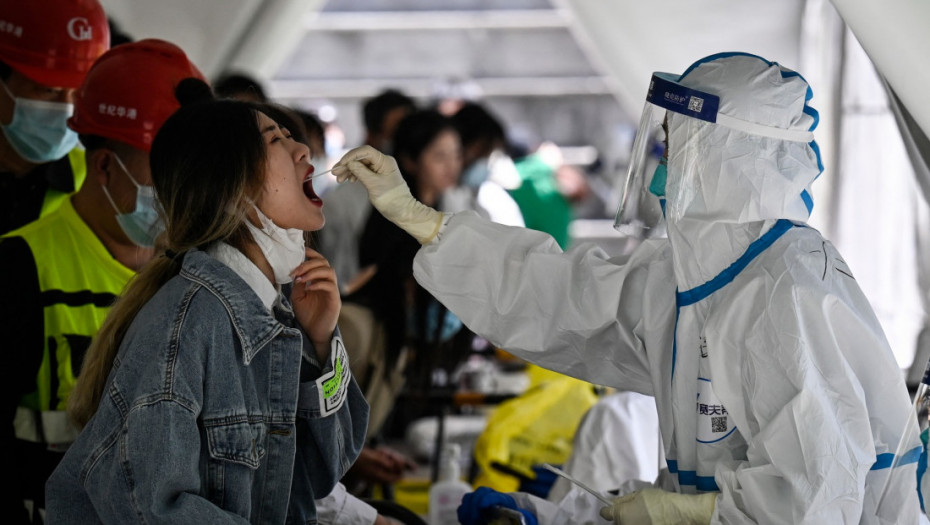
[
  {"x": 616, "y": 446},
  {"x": 773, "y": 380},
  {"x": 617, "y": 440}
]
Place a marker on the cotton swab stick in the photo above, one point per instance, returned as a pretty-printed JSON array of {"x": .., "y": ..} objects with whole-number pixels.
[
  {"x": 596, "y": 494},
  {"x": 315, "y": 175}
]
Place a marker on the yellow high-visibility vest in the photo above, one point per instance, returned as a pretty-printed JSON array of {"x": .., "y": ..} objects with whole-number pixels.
[{"x": 78, "y": 282}]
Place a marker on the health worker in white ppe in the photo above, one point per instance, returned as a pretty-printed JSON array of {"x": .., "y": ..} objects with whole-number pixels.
[{"x": 778, "y": 396}]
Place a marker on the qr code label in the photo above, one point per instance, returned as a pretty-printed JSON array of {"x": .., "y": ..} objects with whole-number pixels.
[
  {"x": 713, "y": 418},
  {"x": 695, "y": 104}
]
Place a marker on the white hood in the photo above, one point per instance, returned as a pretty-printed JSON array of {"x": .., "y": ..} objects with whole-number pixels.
[{"x": 729, "y": 181}]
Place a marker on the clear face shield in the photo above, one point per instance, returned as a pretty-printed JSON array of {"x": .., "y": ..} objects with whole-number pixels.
[{"x": 641, "y": 204}]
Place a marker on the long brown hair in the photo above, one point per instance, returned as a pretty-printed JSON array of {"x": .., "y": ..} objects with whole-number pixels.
[{"x": 207, "y": 165}]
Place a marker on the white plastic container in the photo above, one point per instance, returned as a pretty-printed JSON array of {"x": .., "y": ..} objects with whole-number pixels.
[{"x": 446, "y": 494}]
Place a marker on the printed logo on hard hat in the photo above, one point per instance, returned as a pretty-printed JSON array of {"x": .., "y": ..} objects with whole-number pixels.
[
  {"x": 713, "y": 421},
  {"x": 113, "y": 110},
  {"x": 79, "y": 29}
]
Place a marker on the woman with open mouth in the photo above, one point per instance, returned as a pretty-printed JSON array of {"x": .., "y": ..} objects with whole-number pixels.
[{"x": 218, "y": 389}]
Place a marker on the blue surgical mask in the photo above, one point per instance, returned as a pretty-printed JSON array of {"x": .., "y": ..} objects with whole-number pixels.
[
  {"x": 657, "y": 186},
  {"x": 475, "y": 175},
  {"x": 142, "y": 225},
  {"x": 39, "y": 130}
]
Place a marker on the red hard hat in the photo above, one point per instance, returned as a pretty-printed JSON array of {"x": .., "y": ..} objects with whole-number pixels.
[
  {"x": 53, "y": 42},
  {"x": 129, "y": 93}
]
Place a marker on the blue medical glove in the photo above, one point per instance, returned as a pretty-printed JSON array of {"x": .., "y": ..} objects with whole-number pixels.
[
  {"x": 541, "y": 485},
  {"x": 477, "y": 507}
]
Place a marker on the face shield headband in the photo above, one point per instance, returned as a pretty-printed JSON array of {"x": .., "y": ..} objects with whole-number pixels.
[{"x": 642, "y": 200}]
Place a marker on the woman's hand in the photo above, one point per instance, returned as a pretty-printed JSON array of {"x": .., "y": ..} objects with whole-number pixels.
[
  {"x": 316, "y": 300},
  {"x": 381, "y": 465}
]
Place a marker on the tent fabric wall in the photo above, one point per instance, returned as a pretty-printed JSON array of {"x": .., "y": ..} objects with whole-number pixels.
[
  {"x": 878, "y": 201},
  {"x": 917, "y": 145},
  {"x": 915, "y": 140},
  {"x": 895, "y": 37}
]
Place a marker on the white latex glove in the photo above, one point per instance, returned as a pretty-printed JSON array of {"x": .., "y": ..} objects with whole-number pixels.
[
  {"x": 659, "y": 507},
  {"x": 388, "y": 192}
]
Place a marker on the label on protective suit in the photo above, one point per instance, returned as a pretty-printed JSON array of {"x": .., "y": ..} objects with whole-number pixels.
[
  {"x": 333, "y": 385},
  {"x": 713, "y": 421}
]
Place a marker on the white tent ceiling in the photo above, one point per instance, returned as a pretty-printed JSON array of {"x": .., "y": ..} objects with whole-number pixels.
[{"x": 628, "y": 39}]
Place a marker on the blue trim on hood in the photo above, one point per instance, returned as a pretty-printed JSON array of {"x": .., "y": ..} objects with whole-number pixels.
[
  {"x": 816, "y": 147},
  {"x": 805, "y": 195},
  {"x": 813, "y": 113},
  {"x": 808, "y": 201}
]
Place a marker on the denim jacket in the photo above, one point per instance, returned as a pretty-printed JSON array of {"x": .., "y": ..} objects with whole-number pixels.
[{"x": 216, "y": 411}]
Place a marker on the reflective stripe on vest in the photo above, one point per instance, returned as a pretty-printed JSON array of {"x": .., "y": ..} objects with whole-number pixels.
[{"x": 50, "y": 427}]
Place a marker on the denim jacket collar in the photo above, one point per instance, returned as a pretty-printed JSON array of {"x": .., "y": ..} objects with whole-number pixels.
[{"x": 254, "y": 324}]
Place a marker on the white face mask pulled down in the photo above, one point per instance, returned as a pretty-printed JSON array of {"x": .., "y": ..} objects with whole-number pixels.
[{"x": 283, "y": 247}]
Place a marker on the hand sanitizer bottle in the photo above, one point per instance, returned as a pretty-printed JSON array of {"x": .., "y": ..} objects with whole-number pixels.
[{"x": 446, "y": 494}]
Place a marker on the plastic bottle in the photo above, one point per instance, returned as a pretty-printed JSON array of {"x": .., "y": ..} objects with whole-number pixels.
[{"x": 446, "y": 494}]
